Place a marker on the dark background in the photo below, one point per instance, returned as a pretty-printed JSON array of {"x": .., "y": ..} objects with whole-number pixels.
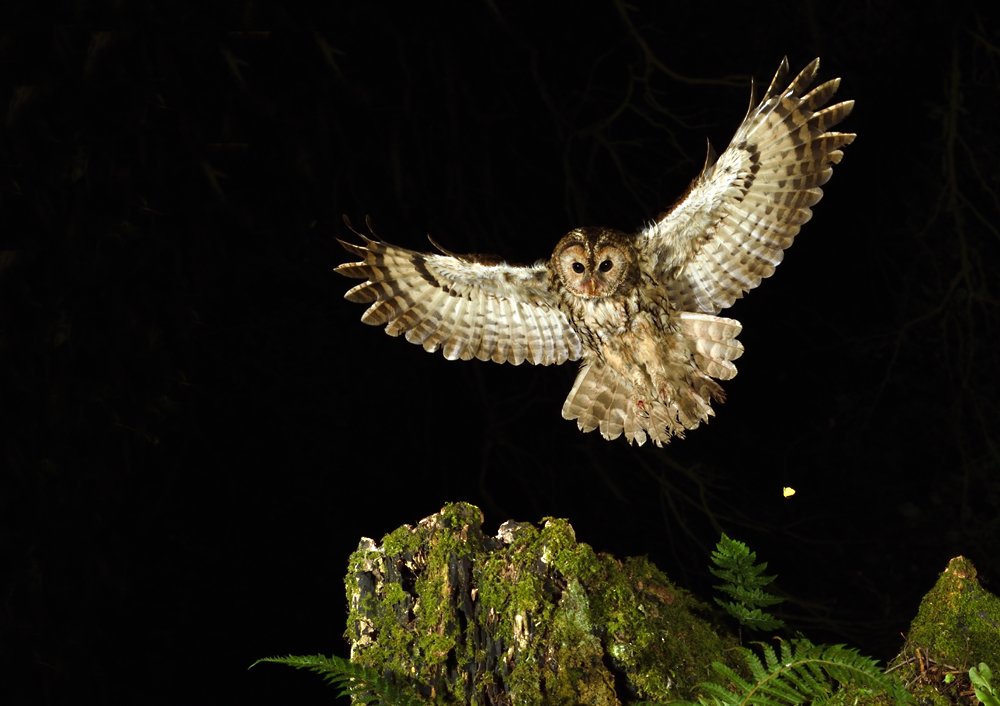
[{"x": 197, "y": 429}]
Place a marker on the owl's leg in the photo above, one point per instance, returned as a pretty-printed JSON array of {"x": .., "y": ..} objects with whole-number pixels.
[
  {"x": 685, "y": 398},
  {"x": 680, "y": 386}
]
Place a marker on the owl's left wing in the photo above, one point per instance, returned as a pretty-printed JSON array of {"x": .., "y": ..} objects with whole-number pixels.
[
  {"x": 731, "y": 229},
  {"x": 466, "y": 309}
]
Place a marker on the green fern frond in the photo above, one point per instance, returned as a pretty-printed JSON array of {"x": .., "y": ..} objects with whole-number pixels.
[
  {"x": 363, "y": 685},
  {"x": 743, "y": 580},
  {"x": 801, "y": 673},
  {"x": 752, "y": 619}
]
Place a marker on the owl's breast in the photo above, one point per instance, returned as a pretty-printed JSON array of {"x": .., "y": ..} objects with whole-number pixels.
[
  {"x": 610, "y": 317},
  {"x": 634, "y": 334}
]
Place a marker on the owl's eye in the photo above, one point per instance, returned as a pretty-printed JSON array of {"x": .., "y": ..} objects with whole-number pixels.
[
  {"x": 578, "y": 268},
  {"x": 605, "y": 266}
]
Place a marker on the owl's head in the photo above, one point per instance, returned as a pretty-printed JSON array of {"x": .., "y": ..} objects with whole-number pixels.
[{"x": 595, "y": 262}]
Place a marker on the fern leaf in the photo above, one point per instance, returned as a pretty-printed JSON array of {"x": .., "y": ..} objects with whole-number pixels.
[
  {"x": 800, "y": 673},
  {"x": 743, "y": 580},
  {"x": 362, "y": 685},
  {"x": 751, "y": 618}
]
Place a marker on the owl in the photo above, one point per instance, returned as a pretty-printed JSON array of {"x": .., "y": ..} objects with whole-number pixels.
[{"x": 639, "y": 310}]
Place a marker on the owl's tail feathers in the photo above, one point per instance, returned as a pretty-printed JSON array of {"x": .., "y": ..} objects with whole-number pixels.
[{"x": 602, "y": 399}]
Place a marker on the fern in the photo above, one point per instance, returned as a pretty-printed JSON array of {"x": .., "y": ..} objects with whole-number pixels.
[
  {"x": 363, "y": 685},
  {"x": 743, "y": 581},
  {"x": 801, "y": 673}
]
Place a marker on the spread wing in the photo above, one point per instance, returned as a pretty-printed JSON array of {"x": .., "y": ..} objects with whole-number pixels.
[
  {"x": 464, "y": 308},
  {"x": 731, "y": 229}
]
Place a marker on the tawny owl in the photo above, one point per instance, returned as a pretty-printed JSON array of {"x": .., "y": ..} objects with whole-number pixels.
[{"x": 639, "y": 309}]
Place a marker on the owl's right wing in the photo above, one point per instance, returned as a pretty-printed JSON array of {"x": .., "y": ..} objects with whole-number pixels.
[{"x": 465, "y": 309}]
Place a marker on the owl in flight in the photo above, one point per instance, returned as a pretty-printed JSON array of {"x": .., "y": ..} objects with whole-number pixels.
[{"x": 638, "y": 309}]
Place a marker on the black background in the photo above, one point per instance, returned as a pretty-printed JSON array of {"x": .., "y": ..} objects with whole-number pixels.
[{"x": 197, "y": 429}]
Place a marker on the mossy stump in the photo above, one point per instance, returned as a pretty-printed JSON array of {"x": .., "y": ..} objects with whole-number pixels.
[
  {"x": 529, "y": 616},
  {"x": 957, "y": 627}
]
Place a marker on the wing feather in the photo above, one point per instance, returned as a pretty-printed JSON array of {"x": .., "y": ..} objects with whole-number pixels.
[
  {"x": 730, "y": 230},
  {"x": 465, "y": 309}
]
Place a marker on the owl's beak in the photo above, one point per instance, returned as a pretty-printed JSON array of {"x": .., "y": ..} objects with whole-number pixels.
[{"x": 588, "y": 285}]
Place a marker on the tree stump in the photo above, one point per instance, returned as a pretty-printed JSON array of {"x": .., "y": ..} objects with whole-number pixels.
[{"x": 529, "y": 616}]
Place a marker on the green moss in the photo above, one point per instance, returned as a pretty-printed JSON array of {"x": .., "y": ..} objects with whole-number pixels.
[
  {"x": 531, "y": 617},
  {"x": 576, "y": 649},
  {"x": 398, "y": 618},
  {"x": 534, "y": 617},
  {"x": 401, "y": 541},
  {"x": 958, "y": 621},
  {"x": 957, "y": 626},
  {"x": 653, "y": 629}
]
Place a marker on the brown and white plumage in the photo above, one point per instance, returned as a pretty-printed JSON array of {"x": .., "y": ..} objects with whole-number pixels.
[
  {"x": 731, "y": 229},
  {"x": 640, "y": 309},
  {"x": 466, "y": 309}
]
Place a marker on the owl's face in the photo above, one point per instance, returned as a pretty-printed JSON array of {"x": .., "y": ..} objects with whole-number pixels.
[{"x": 594, "y": 262}]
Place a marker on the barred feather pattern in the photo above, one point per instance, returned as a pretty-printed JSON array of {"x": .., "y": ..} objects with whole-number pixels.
[
  {"x": 740, "y": 214},
  {"x": 462, "y": 308},
  {"x": 669, "y": 379},
  {"x": 640, "y": 310}
]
